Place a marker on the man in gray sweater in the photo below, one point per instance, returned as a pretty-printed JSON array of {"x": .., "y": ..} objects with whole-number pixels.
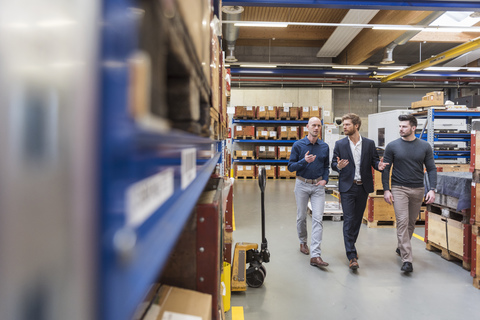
[{"x": 408, "y": 155}]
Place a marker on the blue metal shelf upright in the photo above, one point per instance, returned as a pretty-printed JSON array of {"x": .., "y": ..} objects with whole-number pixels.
[{"x": 150, "y": 179}]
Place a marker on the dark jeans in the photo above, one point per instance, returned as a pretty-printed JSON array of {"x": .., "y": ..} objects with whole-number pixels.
[{"x": 353, "y": 206}]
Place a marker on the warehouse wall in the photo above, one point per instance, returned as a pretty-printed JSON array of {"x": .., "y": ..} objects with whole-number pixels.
[
  {"x": 362, "y": 101},
  {"x": 392, "y": 99},
  {"x": 276, "y": 97}
]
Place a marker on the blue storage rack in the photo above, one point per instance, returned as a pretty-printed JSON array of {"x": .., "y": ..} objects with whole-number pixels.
[
  {"x": 132, "y": 257},
  {"x": 431, "y": 136}
]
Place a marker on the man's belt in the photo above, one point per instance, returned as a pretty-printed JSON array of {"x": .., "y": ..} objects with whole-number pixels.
[
  {"x": 312, "y": 181},
  {"x": 358, "y": 182}
]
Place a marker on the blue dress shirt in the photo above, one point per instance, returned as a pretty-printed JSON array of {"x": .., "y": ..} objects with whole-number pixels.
[{"x": 318, "y": 168}]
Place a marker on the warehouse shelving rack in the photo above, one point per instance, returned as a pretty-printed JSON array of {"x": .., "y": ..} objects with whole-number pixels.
[
  {"x": 150, "y": 180},
  {"x": 266, "y": 141},
  {"x": 431, "y": 136}
]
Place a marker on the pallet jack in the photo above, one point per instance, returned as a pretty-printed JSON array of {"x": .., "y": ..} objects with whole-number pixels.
[{"x": 245, "y": 253}]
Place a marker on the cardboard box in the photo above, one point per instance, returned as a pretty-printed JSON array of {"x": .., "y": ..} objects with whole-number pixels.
[
  {"x": 173, "y": 300},
  {"x": 266, "y": 133},
  {"x": 244, "y": 171},
  {"x": 304, "y": 113},
  {"x": 282, "y": 172},
  {"x": 270, "y": 170},
  {"x": 267, "y": 112},
  {"x": 243, "y": 132},
  {"x": 244, "y": 154},
  {"x": 266, "y": 152}
]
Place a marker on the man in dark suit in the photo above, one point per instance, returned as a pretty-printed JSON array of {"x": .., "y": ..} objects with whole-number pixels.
[{"x": 353, "y": 158}]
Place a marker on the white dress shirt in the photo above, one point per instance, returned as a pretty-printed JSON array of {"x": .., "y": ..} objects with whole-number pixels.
[{"x": 357, "y": 155}]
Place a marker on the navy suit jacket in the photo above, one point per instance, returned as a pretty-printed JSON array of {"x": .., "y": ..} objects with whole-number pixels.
[{"x": 368, "y": 160}]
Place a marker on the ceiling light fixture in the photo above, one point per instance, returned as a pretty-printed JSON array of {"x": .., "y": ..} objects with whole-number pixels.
[
  {"x": 262, "y": 24},
  {"x": 351, "y": 67},
  {"x": 393, "y": 27}
]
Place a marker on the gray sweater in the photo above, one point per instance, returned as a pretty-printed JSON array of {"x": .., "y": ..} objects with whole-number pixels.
[{"x": 408, "y": 159}]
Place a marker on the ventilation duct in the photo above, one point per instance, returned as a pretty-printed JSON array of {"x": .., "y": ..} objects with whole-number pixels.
[
  {"x": 230, "y": 31},
  {"x": 388, "y": 52}
]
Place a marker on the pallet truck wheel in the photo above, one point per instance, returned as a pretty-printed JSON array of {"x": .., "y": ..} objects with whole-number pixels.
[
  {"x": 262, "y": 267},
  {"x": 255, "y": 278}
]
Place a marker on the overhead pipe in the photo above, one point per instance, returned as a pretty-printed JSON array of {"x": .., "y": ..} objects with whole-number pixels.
[
  {"x": 404, "y": 38},
  {"x": 442, "y": 57},
  {"x": 230, "y": 31}
]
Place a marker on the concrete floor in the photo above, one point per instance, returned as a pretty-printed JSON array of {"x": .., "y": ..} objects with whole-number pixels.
[{"x": 437, "y": 289}]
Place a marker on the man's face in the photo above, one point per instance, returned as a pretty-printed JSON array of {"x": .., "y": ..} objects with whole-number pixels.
[
  {"x": 348, "y": 127},
  {"x": 314, "y": 126},
  {"x": 406, "y": 129}
]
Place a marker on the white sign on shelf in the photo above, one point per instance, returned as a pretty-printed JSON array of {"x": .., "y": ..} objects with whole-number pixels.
[
  {"x": 189, "y": 166},
  {"x": 143, "y": 198}
]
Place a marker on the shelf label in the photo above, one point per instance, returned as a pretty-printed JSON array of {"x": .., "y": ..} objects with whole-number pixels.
[
  {"x": 262, "y": 109},
  {"x": 146, "y": 196},
  {"x": 240, "y": 168},
  {"x": 284, "y": 128},
  {"x": 249, "y": 109},
  {"x": 293, "y": 129},
  {"x": 282, "y": 168},
  {"x": 282, "y": 148},
  {"x": 270, "y": 149},
  {"x": 239, "y": 128},
  {"x": 305, "y": 109},
  {"x": 262, "y": 148},
  {"x": 286, "y": 109},
  {"x": 273, "y": 133},
  {"x": 244, "y": 153},
  {"x": 189, "y": 166},
  {"x": 270, "y": 108},
  {"x": 248, "y": 168},
  {"x": 315, "y": 108}
]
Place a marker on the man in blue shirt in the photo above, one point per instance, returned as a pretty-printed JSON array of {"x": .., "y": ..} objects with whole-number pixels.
[{"x": 310, "y": 159}]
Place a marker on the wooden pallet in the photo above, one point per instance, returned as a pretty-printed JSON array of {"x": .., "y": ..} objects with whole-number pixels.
[
  {"x": 286, "y": 138},
  {"x": 293, "y": 177},
  {"x": 245, "y": 177},
  {"x": 476, "y": 282},
  {"x": 266, "y": 138},
  {"x": 380, "y": 224},
  {"x": 333, "y": 217},
  {"x": 448, "y": 255},
  {"x": 245, "y": 137},
  {"x": 244, "y": 157}
]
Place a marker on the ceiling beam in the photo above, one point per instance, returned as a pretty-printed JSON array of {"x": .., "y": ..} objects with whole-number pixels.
[
  {"x": 429, "y": 5},
  {"x": 289, "y": 33},
  {"x": 370, "y": 41}
]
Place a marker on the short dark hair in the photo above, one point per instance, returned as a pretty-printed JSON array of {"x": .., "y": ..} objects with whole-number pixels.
[
  {"x": 355, "y": 119},
  {"x": 408, "y": 117}
]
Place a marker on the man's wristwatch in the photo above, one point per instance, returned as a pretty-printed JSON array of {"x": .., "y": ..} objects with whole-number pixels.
[{"x": 434, "y": 190}]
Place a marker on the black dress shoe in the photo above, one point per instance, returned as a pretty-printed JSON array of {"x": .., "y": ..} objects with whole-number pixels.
[
  {"x": 407, "y": 267},
  {"x": 353, "y": 264},
  {"x": 398, "y": 251}
]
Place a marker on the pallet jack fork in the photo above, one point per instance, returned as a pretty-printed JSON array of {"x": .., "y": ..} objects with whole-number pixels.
[{"x": 245, "y": 253}]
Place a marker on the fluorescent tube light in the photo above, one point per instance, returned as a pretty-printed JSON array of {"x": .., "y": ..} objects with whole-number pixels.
[
  {"x": 392, "y": 68},
  {"x": 393, "y": 27},
  {"x": 261, "y": 24},
  {"x": 442, "y": 69}
]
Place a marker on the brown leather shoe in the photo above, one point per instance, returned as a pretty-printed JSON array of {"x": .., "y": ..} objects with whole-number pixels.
[
  {"x": 353, "y": 264},
  {"x": 304, "y": 248},
  {"x": 318, "y": 262}
]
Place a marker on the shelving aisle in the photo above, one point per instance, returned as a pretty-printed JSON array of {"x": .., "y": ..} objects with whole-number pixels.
[{"x": 437, "y": 289}]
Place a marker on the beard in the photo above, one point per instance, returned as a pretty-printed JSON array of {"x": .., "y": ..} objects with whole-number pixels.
[{"x": 406, "y": 133}]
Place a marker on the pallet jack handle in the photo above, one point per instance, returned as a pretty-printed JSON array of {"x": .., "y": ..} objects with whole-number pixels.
[{"x": 262, "y": 181}]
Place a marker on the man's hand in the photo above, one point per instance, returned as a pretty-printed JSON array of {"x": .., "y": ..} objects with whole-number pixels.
[
  {"x": 341, "y": 163},
  {"x": 309, "y": 157},
  {"x": 388, "y": 197},
  {"x": 321, "y": 183},
  {"x": 382, "y": 165},
  {"x": 430, "y": 197}
]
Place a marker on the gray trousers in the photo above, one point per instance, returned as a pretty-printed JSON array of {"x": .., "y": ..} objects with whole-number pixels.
[
  {"x": 303, "y": 192},
  {"x": 406, "y": 203}
]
